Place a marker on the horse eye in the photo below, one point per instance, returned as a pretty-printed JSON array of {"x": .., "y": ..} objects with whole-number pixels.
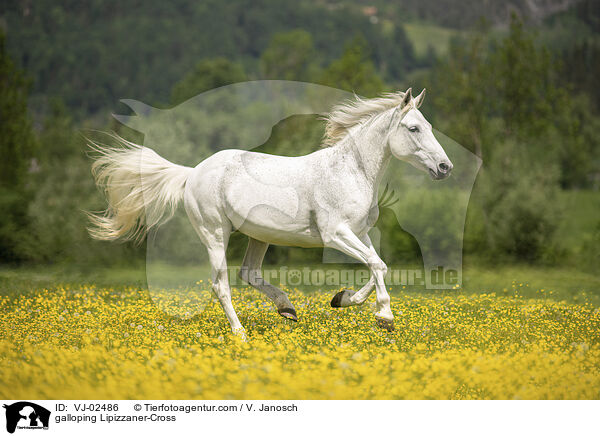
[{"x": 413, "y": 129}]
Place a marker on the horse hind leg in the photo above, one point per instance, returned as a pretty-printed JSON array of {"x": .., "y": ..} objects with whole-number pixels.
[
  {"x": 216, "y": 253},
  {"x": 348, "y": 297},
  {"x": 214, "y": 233},
  {"x": 251, "y": 274}
]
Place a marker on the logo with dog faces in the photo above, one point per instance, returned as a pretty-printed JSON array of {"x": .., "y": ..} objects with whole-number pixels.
[{"x": 25, "y": 415}]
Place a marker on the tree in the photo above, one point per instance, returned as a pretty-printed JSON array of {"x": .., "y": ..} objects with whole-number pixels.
[
  {"x": 459, "y": 81},
  {"x": 63, "y": 188},
  {"x": 526, "y": 90},
  {"x": 354, "y": 71},
  {"x": 289, "y": 56},
  {"x": 16, "y": 150},
  {"x": 504, "y": 101},
  {"x": 208, "y": 74}
]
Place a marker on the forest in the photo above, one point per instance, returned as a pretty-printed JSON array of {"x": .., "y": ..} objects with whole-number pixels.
[{"x": 516, "y": 87}]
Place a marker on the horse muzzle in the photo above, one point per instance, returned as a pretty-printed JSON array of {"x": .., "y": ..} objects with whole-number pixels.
[{"x": 442, "y": 170}]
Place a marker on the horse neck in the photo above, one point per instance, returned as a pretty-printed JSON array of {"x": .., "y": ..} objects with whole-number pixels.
[{"x": 368, "y": 146}]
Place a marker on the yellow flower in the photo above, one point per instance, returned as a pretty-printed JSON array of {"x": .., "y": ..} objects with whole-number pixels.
[{"x": 446, "y": 346}]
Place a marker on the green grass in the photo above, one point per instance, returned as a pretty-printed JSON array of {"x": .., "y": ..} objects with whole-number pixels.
[
  {"x": 559, "y": 283},
  {"x": 579, "y": 217},
  {"x": 566, "y": 283}
]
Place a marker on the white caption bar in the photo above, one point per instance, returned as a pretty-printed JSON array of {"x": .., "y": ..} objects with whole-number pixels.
[{"x": 244, "y": 417}]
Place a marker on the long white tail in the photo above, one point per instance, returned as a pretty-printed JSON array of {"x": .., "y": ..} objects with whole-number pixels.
[{"x": 142, "y": 189}]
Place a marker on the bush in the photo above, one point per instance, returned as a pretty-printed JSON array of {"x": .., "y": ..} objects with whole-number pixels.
[
  {"x": 518, "y": 197},
  {"x": 590, "y": 251}
]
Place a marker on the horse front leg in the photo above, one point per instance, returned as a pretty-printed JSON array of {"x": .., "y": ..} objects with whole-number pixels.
[{"x": 347, "y": 242}]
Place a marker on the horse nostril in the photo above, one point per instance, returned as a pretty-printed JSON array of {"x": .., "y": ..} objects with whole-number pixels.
[{"x": 444, "y": 167}]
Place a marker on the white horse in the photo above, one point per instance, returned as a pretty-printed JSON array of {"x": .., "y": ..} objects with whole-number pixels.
[{"x": 327, "y": 198}]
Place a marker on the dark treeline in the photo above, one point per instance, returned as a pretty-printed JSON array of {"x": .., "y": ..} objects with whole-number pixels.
[
  {"x": 89, "y": 53},
  {"x": 527, "y": 107}
]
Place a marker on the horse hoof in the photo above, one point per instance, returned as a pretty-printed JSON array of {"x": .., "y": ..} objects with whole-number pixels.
[
  {"x": 288, "y": 313},
  {"x": 240, "y": 334},
  {"x": 336, "y": 301},
  {"x": 386, "y": 324}
]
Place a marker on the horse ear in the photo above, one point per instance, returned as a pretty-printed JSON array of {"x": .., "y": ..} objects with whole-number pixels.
[
  {"x": 419, "y": 99},
  {"x": 407, "y": 97}
]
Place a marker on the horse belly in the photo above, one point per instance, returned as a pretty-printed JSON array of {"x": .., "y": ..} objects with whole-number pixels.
[
  {"x": 276, "y": 225},
  {"x": 291, "y": 236}
]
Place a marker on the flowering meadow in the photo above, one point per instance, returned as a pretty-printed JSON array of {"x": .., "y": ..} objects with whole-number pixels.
[{"x": 92, "y": 342}]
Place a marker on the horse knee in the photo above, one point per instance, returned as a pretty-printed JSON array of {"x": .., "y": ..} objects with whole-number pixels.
[
  {"x": 221, "y": 290},
  {"x": 379, "y": 266},
  {"x": 384, "y": 269},
  {"x": 251, "y": 276}
]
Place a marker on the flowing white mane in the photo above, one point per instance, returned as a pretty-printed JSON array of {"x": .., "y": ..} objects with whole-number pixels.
[{"x": 348, "y": 114}]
